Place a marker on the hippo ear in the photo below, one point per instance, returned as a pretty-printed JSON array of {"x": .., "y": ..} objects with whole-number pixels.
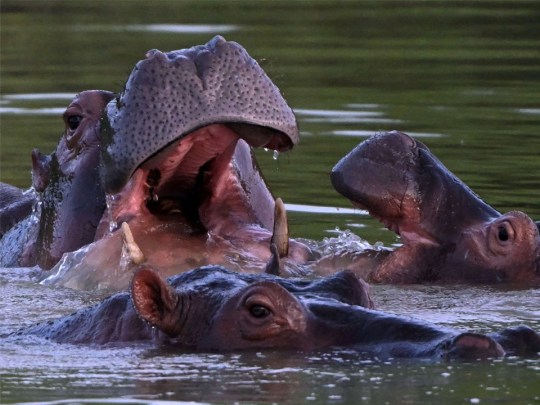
[{"x": 154, "y": 300}]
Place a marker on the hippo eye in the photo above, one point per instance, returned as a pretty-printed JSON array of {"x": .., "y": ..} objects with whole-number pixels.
[
  {"x": 74, "y": 121},
  {"x": 503, "y": 234},
  {"x": 259, "y": 311}
]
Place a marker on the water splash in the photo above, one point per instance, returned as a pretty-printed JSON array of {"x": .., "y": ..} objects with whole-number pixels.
[
  {"x": 58, "y": 273},
  {"x": 346, "y": 241},
  {"x": 109, "y": 199}
]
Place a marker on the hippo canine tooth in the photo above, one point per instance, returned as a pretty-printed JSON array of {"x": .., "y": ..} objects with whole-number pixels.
[
  {"x": 133, "y": 251},
  {"x": 280, "y": 236}
]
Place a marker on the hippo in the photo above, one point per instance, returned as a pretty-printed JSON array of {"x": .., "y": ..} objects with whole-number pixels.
[
  {"x": 175, "y": 163},
  {"x": 448, "y": 232},
  {"x": 212, "y": 309},
  {"x": 67, "y": 195}
]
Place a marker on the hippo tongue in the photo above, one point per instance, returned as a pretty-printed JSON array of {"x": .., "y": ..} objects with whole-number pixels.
[{"x": 169, "y": 95}]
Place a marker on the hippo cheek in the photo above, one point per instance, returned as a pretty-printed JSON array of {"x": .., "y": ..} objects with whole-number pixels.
[
  {"x": 508, "y": 247},
  {"x": 261, "y": 315}
]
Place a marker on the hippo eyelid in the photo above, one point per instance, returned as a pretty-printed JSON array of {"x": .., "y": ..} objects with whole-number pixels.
[
  {"x": 73, "y": 117},
  {"x": 258, "y": 305},
  {"x": 259, "y": 311}
]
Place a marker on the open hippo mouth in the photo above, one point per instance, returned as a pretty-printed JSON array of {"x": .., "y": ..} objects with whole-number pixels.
[
  {"x": 176, "y": 143},
  {"x": 202, "y": 182}
]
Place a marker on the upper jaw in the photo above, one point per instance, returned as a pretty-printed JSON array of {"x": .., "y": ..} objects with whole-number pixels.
[{"x": 181, "y": 91}]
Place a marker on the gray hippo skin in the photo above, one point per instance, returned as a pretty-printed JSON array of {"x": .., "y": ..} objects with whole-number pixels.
[
  {"x": 448, "y": 232},
  {"x": 213, "y": 309},
  {"x": 70, "y": 200},
  {"x": 170, "y": 95}
]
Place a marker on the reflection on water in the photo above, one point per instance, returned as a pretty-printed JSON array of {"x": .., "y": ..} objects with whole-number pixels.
[
  {"x": 337, "y": 117},
  {"x": 8, "y": 99},
  {"x": 313, "y": 209},
  {"x": 363, "y": 134},
  {"x": 32, "y": 111},
  {"x": 38, "y": 96},
  {"x": 464, "y": 76},
  {"x": 163, "y": 28}
]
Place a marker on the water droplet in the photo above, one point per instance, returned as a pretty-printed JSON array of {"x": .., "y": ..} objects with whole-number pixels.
[{"x": 275, "y": 155}]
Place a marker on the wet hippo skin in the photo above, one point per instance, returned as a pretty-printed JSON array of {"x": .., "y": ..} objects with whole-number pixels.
[{"x": 213, "y": 309}]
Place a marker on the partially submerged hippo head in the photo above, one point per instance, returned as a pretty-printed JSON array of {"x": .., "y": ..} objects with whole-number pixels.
[
  {"x": 214, "y": 309},
  {"x": 70, "y": 198},
  {"x": 448, "y": 232}
]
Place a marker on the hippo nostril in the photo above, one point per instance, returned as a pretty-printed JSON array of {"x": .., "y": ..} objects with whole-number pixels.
[
  {"x": 505, "y": 232},
  {"x": 407, "y": 140}
]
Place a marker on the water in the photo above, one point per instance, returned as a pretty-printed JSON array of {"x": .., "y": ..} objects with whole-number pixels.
[{"x": 462, "y": 77}]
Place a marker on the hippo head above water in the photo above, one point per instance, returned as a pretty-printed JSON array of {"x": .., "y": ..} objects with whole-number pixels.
[
  {"x": 448, "y": 232},
  {"x": 70, "y": 198},
  {"x": 213, "y": 309}
]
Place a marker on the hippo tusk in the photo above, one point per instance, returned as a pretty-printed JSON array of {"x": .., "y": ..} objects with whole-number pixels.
[
  {"x": 280, "y": 235},
  {"x": 134, "y": 253}
]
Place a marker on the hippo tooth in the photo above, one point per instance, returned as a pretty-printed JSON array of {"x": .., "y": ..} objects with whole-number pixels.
[
  {"x": 280, "y": 236},
  {"x": 134, "y": 252}
]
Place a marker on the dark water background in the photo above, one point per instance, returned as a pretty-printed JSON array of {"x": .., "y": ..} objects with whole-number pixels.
[{"x": 463, "y": 77}]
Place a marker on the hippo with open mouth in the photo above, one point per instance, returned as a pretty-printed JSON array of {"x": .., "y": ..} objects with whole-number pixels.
[
  {"x": 448, "y": 232},
  {"x": 214, "y": 309},
  {"x": 175, "y": 165}
]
